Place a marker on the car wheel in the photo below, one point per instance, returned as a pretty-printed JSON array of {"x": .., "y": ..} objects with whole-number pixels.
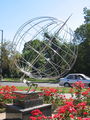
[{"x": 66, "y": 85}]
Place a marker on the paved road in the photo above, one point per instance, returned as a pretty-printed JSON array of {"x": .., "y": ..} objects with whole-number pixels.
[{"x": 23, "y": 84}]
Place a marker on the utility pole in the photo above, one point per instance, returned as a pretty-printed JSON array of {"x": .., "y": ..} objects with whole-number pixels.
[{"x": 1, "y": 43}]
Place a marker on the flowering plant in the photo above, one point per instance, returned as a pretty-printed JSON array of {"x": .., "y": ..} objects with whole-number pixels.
[
  {"x": 53, "y": 96},
  {"x": 74, "y": 108},
  {"x": 86, "y": 96},
  {"x": 38, "y": 115},
  {"x": 6, "y": 95}
]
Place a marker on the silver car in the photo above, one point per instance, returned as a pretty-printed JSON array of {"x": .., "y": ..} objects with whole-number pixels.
[{"x": 72, "y": 78}]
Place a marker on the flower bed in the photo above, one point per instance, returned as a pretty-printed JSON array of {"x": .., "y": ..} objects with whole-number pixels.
[
  {"x": 77, "y": 108},
  {"x": 6, "y": 96}
]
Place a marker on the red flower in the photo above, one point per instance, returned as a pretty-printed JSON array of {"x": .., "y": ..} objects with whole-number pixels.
[
  {"x": 81, "y": 105},
  {"x": 85, "y": 113},
  {"x": 53, "y": 90},
  {"x": 6, "y": 93},
  {"x": 44, "y": 117},
  {"x": 36, "y": 112},
  {"x": 70, "y": 103},
  {"x": 32, "y": 118},
  {"x": 71, "y": 116},
  {"x": 79, "y": 118},
  {"x": 86, "y": 118},
  {"x": 62, "y": 109},
  {"x": 71, "y": 110},
  {"x": 56, "y": 115},
  {"x": 47, "y": 93},
  {"x": 79, "y": 84},
  {"x": 39, "y": 118},
  {"x": 13, "y": 88},
  {"x": 85, "y": 93}
]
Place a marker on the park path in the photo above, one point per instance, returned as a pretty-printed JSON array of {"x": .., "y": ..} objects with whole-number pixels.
[{"x": 23, "y": 84}]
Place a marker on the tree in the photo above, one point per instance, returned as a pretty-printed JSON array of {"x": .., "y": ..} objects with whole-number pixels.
[
  {"x": 49, "y": 56},
  {"x": 5, "y": 60},
  {"x": 86, "y": 15},
  {"x": 8, "y": 67},
  {"x": 31, "y": 55},
  {"x": 82, "y": 33}
]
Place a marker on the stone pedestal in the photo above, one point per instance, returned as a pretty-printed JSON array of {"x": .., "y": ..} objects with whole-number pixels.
[
  {"x": 26, "y": 100},
  {"x": 24, "y": 104},
  {"x": 24, "y": 114}
]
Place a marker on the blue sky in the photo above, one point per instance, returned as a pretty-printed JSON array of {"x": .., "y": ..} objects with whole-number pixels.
[{"x": 13, "y": 13}]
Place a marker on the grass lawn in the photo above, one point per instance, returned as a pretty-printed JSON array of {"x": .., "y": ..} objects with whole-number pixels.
[
  {"x": 43, "y": 80},
  {"x": 31, "y": 79},
  {"x": 61, "y": 89}
]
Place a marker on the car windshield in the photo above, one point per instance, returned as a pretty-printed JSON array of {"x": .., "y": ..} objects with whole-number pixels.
[{"x": 78, "y": 76}]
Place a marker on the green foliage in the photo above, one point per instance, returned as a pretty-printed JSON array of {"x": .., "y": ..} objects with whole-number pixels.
[
  {"x": 8, "y": 67},
  {"x": 50, "y": 49},
  {"x": 86, "y": 15},
  {"x": 82, "y": 64}
]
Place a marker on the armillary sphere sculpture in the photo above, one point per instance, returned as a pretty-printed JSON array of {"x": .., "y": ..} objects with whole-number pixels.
[{"x": 45, "y": 48}]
